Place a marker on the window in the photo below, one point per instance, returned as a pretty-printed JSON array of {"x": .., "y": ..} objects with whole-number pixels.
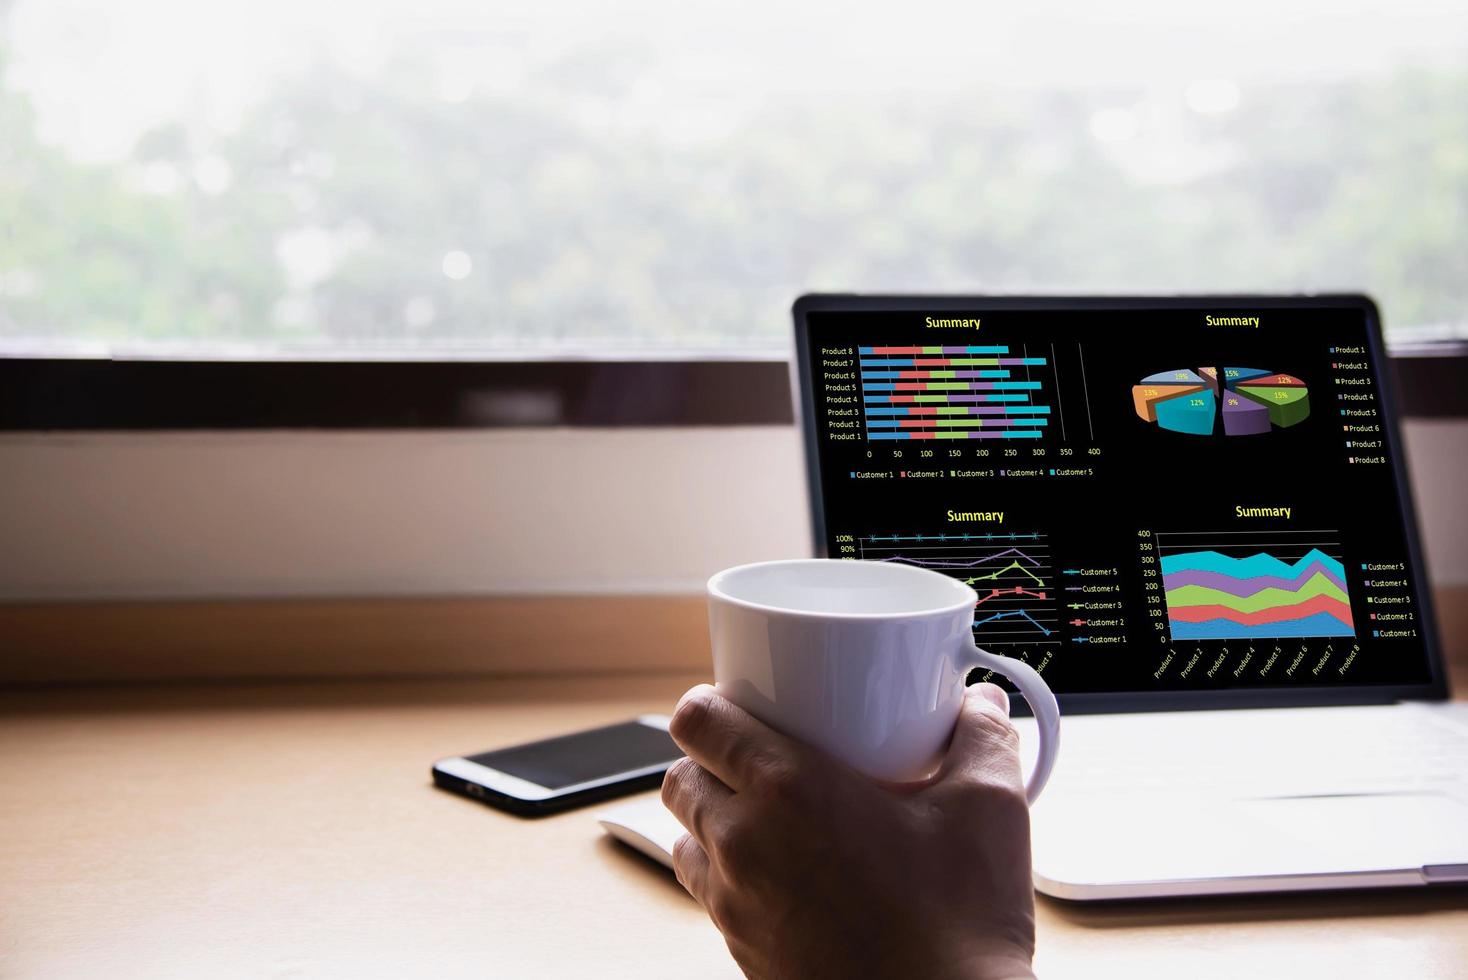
[{"x": 447, "y": 178}]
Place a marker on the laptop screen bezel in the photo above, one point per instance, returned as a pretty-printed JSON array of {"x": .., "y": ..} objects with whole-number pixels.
[{"x": 1434, "y": 689}]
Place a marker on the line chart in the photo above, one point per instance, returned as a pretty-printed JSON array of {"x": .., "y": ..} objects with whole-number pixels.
[{"x": 1012, "y": 573}]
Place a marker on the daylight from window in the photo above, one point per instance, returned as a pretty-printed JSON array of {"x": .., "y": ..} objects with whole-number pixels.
[{"x": 452, "y": 178}]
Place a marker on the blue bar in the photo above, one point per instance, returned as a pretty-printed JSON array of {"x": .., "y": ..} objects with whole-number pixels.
[
  {"x": 950, "y": 350},
  {"x": 987, "y": 434},
  {"x": 953, "y": 398},
  {"x": 1009, "y": 410},
  {"x": 988, "y": 386},
  {"x": 903, "y": 360},
  {"x": 958, "y": 374},
  {"x": 991, "y": 422}
]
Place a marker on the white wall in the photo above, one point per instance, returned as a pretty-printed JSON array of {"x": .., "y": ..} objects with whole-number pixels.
[
  {"x": 403, "y": 513},
  {"x": 443, "y": 513}
]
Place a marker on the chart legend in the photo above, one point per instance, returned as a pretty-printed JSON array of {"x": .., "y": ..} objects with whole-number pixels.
[
  {"x": 1251, "y": 401},
  {"x": 1255, "y": 585}
]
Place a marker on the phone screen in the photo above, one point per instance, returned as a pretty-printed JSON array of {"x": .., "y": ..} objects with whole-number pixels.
[{"x": 595, "y": 754}]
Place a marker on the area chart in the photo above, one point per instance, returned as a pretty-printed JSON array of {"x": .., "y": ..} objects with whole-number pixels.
[
  {"x": 1242, "y": 590},
  {"x": 1251, "y": 401},
  {"x": 963, "y": 392}
]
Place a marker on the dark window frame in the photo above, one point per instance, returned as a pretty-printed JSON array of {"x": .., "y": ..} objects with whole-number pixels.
[{"x": 77, "y": 394}]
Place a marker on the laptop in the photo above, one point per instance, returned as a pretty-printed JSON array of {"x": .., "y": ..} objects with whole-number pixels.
[{"x": 1191, "y": 515}]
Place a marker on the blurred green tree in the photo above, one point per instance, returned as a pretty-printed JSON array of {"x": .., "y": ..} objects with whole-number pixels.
[{"x": 325, "y": 218}]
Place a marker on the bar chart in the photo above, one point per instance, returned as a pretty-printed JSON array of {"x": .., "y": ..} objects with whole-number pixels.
[{"x": 962, "y": 392}]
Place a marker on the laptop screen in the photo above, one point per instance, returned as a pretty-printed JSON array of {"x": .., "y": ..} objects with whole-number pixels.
[{"x": 1147, "y": 499}]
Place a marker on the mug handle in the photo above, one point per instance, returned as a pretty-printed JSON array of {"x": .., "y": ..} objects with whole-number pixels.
[{"x": 1042, "y": 703}]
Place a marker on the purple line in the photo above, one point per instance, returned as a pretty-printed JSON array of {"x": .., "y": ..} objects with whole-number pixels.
[
  {"x": 1247, "y": 586},
  {"x": 933, "y": 563}
]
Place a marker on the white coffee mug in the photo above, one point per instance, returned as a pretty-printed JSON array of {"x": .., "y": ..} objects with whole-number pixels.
[{"x": 865, "y": 660}]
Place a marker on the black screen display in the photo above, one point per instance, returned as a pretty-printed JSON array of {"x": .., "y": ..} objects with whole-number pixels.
[
  {"x": 1144, "y": 500},
  {"x": 559, "y": 762}
]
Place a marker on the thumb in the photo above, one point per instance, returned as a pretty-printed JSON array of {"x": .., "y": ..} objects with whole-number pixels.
[
  {"x": 995, "y": 694},
  {"x": 984, "y": 743}
]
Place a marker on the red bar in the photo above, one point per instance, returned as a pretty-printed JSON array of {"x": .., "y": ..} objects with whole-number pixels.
[
  {"x": 923, "y": 435},
  {"x": 897, "y": 350},
  {"x": 922, "y": 411}
]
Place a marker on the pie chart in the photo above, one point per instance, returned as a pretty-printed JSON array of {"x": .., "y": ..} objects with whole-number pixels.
[{"x": 1252, "y": 401}]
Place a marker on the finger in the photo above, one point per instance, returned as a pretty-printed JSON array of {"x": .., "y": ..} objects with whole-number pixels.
[
  {"x": 739, "y": 749},
  {"x": 996, "y": 694},
  {"x": 695, "y": 797},
  {"x": 691, "y": 866},
  {"x": 984, "y": 741}
]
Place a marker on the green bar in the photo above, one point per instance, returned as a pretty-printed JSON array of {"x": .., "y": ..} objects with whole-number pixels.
[
  {"x": 929, "y": 398},
  {"x": 979, "y": 361},
  {"x": 951, "y": 434}
]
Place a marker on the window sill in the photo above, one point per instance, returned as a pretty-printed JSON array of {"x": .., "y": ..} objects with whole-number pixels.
[{"x": 49, "y": 394}]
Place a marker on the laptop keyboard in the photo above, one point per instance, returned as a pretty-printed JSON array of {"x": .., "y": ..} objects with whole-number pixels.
[{"x": 1296, "y": 752}]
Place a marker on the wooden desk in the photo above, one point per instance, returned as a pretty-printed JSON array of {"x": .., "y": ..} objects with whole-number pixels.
[{"x": 290, "y": 830}]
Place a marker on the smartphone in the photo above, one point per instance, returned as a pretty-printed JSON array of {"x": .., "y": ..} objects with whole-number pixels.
[{"x": 557, "y": 774}]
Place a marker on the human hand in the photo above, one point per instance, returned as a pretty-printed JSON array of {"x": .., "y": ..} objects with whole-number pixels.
[{"x": 811, "y": 869}]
